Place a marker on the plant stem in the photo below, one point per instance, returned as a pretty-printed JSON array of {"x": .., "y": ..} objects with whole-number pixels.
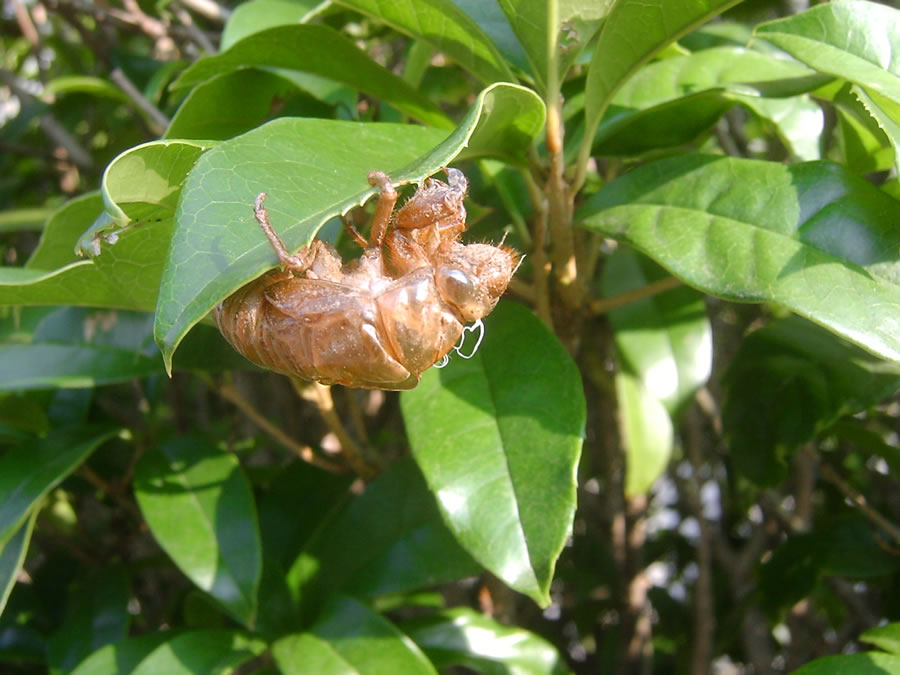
[
  {"x": 304, "y": 452},
  {"x": 604, "y": 305},
  {"x": 829, "y": 474},
  {"x": 320, "y": 396}
]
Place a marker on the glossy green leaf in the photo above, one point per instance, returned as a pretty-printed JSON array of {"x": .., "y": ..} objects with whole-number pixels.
[
  {"x": 388, "y": 540},
  {"x": 886, "y": 113},
  {"x": 62, "y": 230},
  {"x": 853, "y": 39},
  {"x": 798, "y": 121},
  {"x": 140, "y": 188},
  {"x": 646, "y": 431},
  {"x": 491, "y": 19},
  {"x": 632, "y": 33},
  {"x": 12, "y": 557},
  {"x": 298, "y": 488},
  {"x": 811, "y": 236},
  {"x": 863, "y": 145},
  {"x": 319, "y": 50},
  {"x": 672, "y": 101},
  {"x": 666, "y": 339},
  {"x": 463, "y": 637},
  {"x": 199, "y": 507},
  {"x": 236, "y": 102},
  {"x": 45, "y": 366},
  {"x": 29, "y": 471},
  {"x": 869, "y": 663},
  {"x": 576, "y": 23},
  {"x": 348, "y": 637},
  {"x": 305, "y": 653},
  {"x": 258, "y": 15},
  {"x": 121, "y": 657},
  {"x": 201, "y": 651},
  {"x": 445, "y": 27},
  {"x": 54, "y": 275},
  {"x": 312, "y": 171},
  {"x": 884, "y": 637},
  {"x": 97, "y": 615},
  {"x": 789, "y": 381},
  {"x": 498, "y": 438}
]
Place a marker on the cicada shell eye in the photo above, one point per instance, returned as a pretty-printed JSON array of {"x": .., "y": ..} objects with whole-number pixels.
[{"x": 472, "y": 278}]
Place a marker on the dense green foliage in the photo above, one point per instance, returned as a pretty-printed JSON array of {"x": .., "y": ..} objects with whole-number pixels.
[{"x": 676, "y": 449}]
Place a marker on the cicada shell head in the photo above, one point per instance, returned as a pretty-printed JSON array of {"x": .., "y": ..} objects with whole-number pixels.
[{"x": 471, "y": 278}]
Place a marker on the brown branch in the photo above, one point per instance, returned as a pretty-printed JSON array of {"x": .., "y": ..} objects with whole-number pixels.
[
  {"x": 304, "y": 452},
  {"x": 320, "y": 396},
  {"x": 858, "y": 500},
  {"x": 704, "y": 602},
  {"x": 604, "y": 305}
]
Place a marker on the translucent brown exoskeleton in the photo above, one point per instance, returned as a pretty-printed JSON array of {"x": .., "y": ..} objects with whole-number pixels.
[{"x": 379, "y": 321}]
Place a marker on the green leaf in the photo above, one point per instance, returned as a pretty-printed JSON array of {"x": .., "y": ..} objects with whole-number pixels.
[
  {"x": 811, "y": 236},
  {"x": 577, "y": 21},
  {"x": 299, "y": 488},
  {"x": 853, "y": 39},
  {"x": 348, "y": 637},
  {"x": 45, "y": 366},
  {"x": 864, "y": 147},
  {"x": 789, "y": 381},
  {"x": 199, "y": 507},
  {"x": 312, "y": 171},
  {"x": 12, "y": 557},
  {"x": 498, "y": 438},
  {"x": 258, "y": 15},
  {"x": 54, "y": 275},
  {"x": 672, "y": 101},
  {"x": 871, "y": 663},
  {"x": 96, "y": 87},
  {"x": 97, "y": 615},
  {"x": 491, "y": 19},
  {"x": 647, "y": 434},
  {"x": 129, "y": 240},
  {"x": 632, "y": 33},
  {"x": 323, "y": 51},
  {"x": 844, "y": 547},
  {"x": 123, "y": 656},
  {"x": 886, "y": 114},
  {"x": 29, "y": 471},
  {"x": 445, "y": 27},
  {"x": 665, "y": 340},
  {"x": 236, "y": 102},
  {"x": 884, "y": 637},
  {"x": 388, "y": 540},
  {"x": 798, "y": 121},
  {"x": 201, "y": 651},
  {"x": 463, "y": 637}
]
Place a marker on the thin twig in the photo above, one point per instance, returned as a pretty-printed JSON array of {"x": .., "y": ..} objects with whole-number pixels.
[
  {"x": 604, "y": 305},
  {"x": 320, "y": 396},
  {"x": 209, "y": 9},
  {"x": 860, "y": 502},
  {"x": 196, "y": 34},
  {"x": 304, "y": 452},
  {"x": 159, "y": 122}
]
